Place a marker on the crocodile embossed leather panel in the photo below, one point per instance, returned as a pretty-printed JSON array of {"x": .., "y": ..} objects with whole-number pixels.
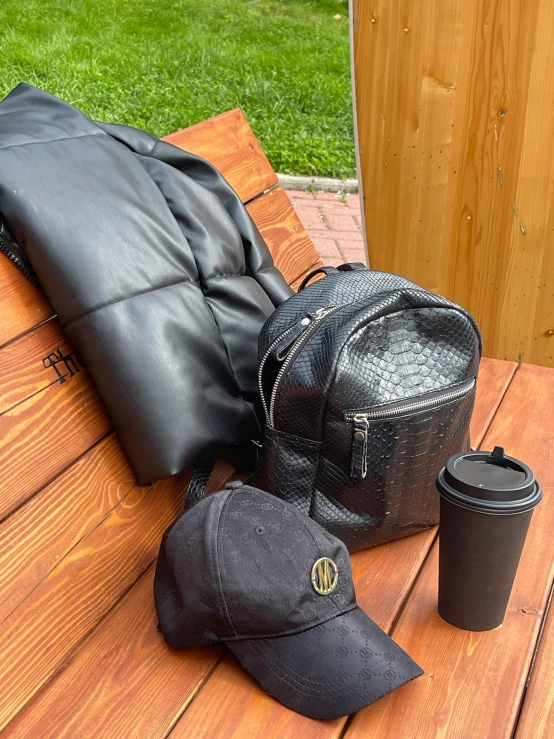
[{"x": 391, "y": 342}]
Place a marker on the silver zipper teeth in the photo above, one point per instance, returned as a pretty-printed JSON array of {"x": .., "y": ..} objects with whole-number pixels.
[
  {"x": 321, "y": 314},
  {"x": 410, "y": 407},
  {"x": 262, "y": 363}
]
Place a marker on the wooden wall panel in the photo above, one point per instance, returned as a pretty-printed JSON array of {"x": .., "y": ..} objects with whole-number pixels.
[{"x": 455, "y": 122}]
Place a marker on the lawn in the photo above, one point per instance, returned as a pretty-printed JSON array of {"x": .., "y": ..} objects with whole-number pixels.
[{"x": 165, "y": 64}]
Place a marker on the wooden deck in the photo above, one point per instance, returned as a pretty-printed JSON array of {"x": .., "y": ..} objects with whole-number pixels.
[{"x": 80, "y": 655}]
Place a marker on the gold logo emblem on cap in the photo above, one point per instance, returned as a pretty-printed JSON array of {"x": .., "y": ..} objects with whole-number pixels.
[{"x": 325, "y": 576}]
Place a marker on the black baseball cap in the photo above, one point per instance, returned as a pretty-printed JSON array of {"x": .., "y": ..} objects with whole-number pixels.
[{"x": 245, "y": 568}]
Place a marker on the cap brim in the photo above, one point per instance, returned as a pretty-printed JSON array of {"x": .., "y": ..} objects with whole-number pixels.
[{"x": 331, "y": 670}]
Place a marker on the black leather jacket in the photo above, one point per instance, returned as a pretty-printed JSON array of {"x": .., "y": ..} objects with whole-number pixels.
[{"x": 155, "y": 269}]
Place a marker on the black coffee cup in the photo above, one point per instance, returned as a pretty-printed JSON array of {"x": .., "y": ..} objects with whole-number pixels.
[{"x": 487, "y": 500}]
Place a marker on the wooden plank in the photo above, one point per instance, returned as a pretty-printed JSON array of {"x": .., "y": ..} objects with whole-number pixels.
[
  {"x": 474, "y": 682},
  {"x": 38, "y": 535},
  {"x": 70, "y": 602},
  {"x": 286, "y": 238},
  {"x": 232, "y": 704},
  {"x": 536, "y": 720},
  {"x": 383, "y": 577},
  {"x": 54, "y": 403},
  {"x": 456, "y": 178},
  {"x": 100, "y": 706},
  {"x": 295, "y": 284},
  {"x": 494, "y": 379},
  {"x": 228, "y": 143},
  {"x": 29, "y": 364},
  {"x": 90, "y": 584},
  {"x": 22, "y": 305},
  {"x": 45, "y": 433}
]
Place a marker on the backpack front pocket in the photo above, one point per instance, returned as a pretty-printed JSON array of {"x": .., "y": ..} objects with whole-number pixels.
[{"x": 364, "y": 420}]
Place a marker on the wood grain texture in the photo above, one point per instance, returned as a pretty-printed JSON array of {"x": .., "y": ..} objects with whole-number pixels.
[
  {"x": 111, "y": 702},
  {"x": 536, "y": 720},
  {"x": 228, "y": 143},
  {"x": 80, "y": 590},
  {"x": 295, "y": 284},
  {"x": 454, "y": 116},
  {"x": 290, "y": 246},
  {"x": 22, "y": 363},
  {"x": 231, "y": 704},
  {"x": 40, "y": 533},
  {"x": 493, "y": 381},
  {"x": 45, "y": 433},
  {"x": 22, "y": 305},
  {"x": 123, "y": 680},
  {"x": 474, "y": 682}
]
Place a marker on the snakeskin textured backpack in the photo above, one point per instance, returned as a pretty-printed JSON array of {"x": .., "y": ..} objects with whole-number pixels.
[{"x": 367, "y": 382}]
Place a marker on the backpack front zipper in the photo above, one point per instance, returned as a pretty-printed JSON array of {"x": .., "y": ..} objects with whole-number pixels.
[
  {"x": 361, "y": 419},
  {"x": 284, "y": 347}
]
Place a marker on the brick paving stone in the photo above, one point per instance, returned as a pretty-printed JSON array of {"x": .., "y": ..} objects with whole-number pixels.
[
  {"x": 300, "y": 194},
  {"x": 315, "y": 202},
  {"x": 342, "y": 222},
  {"x": 325, "y": 247},
  {"x": 332, "y": 261},
  {"x": 333, "y": 223},
  {"x": 311, "y": 218},
  {"x": 326, "y": 195},
  {"x": 345, "y": 235},
  {"x": 339, "y": 210},
  {"x": 354, "y": 255}
]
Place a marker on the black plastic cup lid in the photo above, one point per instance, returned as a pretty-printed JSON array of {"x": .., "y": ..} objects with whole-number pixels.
[{"x": 489, "y": 482}]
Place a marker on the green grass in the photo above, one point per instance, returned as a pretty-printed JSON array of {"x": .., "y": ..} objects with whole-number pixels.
[{"x": 162, "y": 65}]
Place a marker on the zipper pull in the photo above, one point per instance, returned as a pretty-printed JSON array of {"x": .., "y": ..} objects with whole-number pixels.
[
  {"x": 282, "y": 347},
  {"x": 358, "y": 465}
]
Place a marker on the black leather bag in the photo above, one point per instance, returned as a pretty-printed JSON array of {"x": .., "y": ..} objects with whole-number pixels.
[{"x": 368, "y": 385}]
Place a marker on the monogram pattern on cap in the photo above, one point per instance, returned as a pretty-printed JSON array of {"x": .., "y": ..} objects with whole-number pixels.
[{"x": 325, "y": 576}]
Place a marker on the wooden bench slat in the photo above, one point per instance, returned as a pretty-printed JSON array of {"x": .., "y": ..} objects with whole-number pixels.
[
  {"x": 537, "y": 715},
  {"x": 461, "y": 665},
  {"x": 22, "y": 363},
  {"x": 40, "y": 533},
  {"x": 372, "y": 570},
  {"x": 44, "y": 434},
  {"x": 377, "y": 571},
  {"x": 22, "y": 305},
  {"x": 66, "y": 605},
  {"x": 287, "y": 239},
  {"x": 60, "y": 421},
  {"x": 228, "y": 143},
  {"x": 107, "y": 703},
  {"x": 383, "y": 577}
]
